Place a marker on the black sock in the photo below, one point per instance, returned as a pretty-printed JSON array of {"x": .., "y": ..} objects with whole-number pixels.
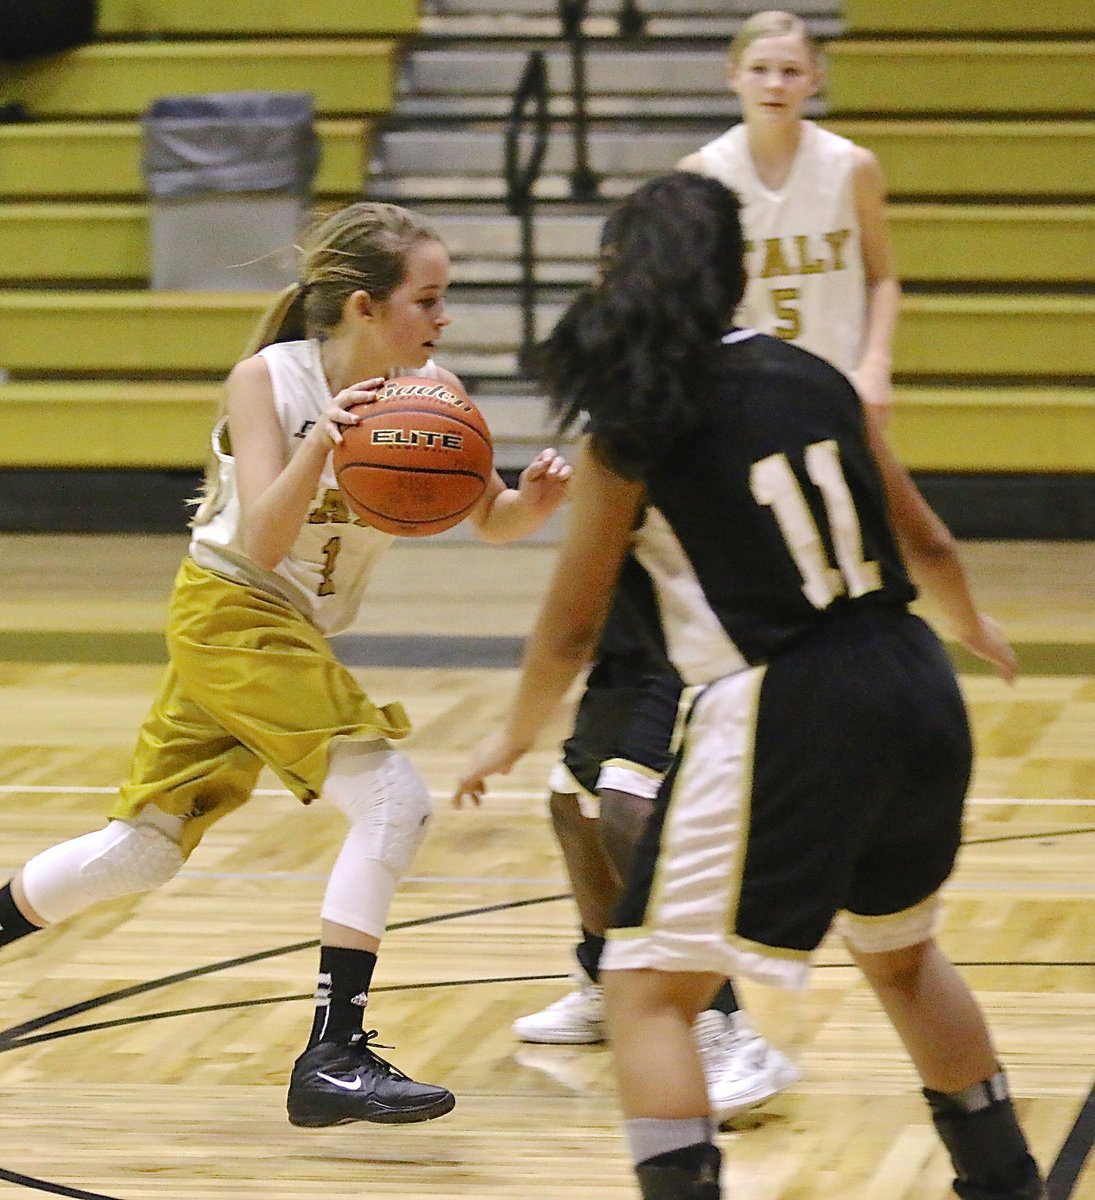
[
  {"x": 341, "y": 993},
  {"x": 13, "y": 925},
  {"x": 690, "y": 1173},
  {"x": 986, "y": 1144},
  {"x": 725, "y": 1001},
  {"x": 687, "y": 1158},
  {"x": 588, "y": 953}
]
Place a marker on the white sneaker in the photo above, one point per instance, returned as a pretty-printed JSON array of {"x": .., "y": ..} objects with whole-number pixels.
[
  {"x": 742, "y": 1070},
  {"x": 578, "y": 1018}
]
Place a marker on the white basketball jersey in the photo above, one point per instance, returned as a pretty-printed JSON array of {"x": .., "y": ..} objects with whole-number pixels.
[
  {"x": 803, "y": 253},
  {"x": 326, "y": 571}
]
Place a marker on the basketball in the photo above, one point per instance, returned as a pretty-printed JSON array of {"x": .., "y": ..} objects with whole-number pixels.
[{"x": 418, "y": 462}]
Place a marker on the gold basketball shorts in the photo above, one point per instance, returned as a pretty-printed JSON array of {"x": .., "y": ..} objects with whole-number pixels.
[{"x": 251, "y": 681}]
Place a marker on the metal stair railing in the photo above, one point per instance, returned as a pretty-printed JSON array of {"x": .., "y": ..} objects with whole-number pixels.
[
  {"x": 583, "y": 182},
  {"x": 521, "y": 176},
  {"x": 631, "y": 22},
  {"x": 533, "y": 90}
]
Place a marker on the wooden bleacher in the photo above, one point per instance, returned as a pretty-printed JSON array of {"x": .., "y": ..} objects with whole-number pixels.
[
  {"x": 983, "y": 159},
  {"x": 981, "y": 115},
  {"x": 963, "y": 76},
  {"x": 245, "y": 18},
  {"x": 120, "y": 79},
  {"x": 71, "y": 161},
  {"x": 970, "y": 18},
  {"x": 73, "y": 214}
]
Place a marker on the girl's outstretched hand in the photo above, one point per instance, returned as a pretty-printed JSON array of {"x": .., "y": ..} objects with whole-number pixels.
[
  {"x": 494, "y": 755},
  {"x": 989, "y": 642},
  {"x": 543, "y": 483}
]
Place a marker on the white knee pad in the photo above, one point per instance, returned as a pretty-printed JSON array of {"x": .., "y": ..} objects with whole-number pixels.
[
  {"x": 120, "y": 860},
  {"x": 389, "y": 809}
]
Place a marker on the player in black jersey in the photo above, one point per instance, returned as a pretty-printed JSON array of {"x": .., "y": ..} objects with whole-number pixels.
[{"x": 823, "y": 770}]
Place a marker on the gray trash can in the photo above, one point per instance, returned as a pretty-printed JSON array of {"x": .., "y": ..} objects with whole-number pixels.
[{"x": 229, "y": 177}]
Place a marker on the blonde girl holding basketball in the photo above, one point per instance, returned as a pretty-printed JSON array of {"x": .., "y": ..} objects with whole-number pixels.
[
  {"x": 818, "y": 254},
  {"x": 277, "y": 564}
]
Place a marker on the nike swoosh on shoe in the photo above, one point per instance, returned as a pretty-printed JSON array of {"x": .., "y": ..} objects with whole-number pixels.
[{"x": 349, "y": 1085}]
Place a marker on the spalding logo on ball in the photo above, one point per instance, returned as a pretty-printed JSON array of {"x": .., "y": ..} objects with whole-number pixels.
[{"x": 419, "y": 460}]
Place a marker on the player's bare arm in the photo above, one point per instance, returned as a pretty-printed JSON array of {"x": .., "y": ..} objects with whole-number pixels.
[{"x": 872, "y": 376}]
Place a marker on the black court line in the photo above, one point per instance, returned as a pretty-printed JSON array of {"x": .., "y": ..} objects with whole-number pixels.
[
  {"x": 54, "y": 1035},
  {"x": 74, "y": 1010},
  {"x": 1045, "y": 835},
  {"x": 231, "y": 1005},
  {"x": 54, "y": 1189},
  {"x": 1065, "y": 1172}
]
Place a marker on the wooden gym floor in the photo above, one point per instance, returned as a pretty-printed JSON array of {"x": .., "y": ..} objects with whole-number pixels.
[{"x": 145, "y": 1048}]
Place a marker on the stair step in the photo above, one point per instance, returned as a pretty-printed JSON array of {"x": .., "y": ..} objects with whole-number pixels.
[
  {"x": 937, "y": 158},
  {"x": 652, "y": 8},
  {"x": 421, "y": 152},
  {"x": 967, "y": 158},
  {"x": 476, "y": 70},
  {"x": 934, "y": 158},
  {"x": 710, "y": 26},
  {"x": 995, "y": 429},
  {"x": 422, "y": 190},
  {"x": 722, "y": 111}
]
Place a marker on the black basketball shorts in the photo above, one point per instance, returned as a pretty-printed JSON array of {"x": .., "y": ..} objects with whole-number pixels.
[
  {"x": 829, "y": 781},
  {"x": 624, "y": 729}
]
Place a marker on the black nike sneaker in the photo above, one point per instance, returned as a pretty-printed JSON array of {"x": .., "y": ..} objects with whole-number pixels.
[{"x": 334, "y": 1083}]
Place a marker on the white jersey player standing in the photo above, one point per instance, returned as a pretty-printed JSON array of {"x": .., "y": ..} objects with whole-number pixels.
[{"x": 818, "y": 256}]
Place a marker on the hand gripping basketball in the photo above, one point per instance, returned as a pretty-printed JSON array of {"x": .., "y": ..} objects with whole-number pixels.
[{"x": 418, "y": 460}]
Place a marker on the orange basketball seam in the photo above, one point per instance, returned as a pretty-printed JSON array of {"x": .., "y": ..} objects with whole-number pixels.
[{"x": 404, "y": 469}]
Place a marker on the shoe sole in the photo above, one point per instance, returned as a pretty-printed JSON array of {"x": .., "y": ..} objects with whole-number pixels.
[
  {"x": 391, "y": 1116},
  {"x": 558, "y": 1039}
]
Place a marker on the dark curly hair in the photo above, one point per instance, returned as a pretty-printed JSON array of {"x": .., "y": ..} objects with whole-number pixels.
[{"x": 629, "y": 349}]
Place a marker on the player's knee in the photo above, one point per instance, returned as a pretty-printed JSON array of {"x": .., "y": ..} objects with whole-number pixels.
[
  {"x": 899, "y": 969},
  {"x": 566, "y": 813},
  {"x": 385, "y": 800},
  {"x": 142, "y": 859},
  {"x": 623, "y": 819},
  {"x": 122, "y": 859},
  {"x": 408, "y": 814},
  {"x": 893, "y": 946}
]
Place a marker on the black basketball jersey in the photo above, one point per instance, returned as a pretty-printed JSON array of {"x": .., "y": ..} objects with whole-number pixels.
[
  {"x": 769, "y": 517},
  {"x": 632, "y": 628}
]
